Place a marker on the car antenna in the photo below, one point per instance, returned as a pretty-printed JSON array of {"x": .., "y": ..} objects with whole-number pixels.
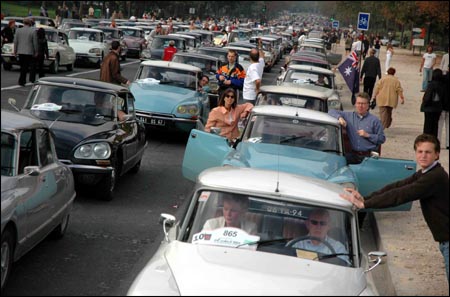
[{"x": 277, "y": 190}]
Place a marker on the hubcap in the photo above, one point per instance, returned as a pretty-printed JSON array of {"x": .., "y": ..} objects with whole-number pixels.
[{"x": 5, "y": 261}]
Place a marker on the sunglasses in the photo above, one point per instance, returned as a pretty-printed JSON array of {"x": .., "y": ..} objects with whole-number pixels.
[
  {"x": 229, "y": 96},
  {"x": 315, "y": 223}
]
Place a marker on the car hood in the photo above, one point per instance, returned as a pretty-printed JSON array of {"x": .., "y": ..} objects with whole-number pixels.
[
  {"x": 286, "y": 158},
  {"x": 212, "y": 270},
  {"x": 326, "y": 91},
  {"x": 161, "y": 98},
  {"x": 68, "y": 135},
  {"x": 83, "y": 46}
]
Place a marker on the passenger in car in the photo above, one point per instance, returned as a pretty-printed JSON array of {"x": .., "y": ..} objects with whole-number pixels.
[
  {"x": 318, "y": 225},
  {"x": 234, "y": 210}
]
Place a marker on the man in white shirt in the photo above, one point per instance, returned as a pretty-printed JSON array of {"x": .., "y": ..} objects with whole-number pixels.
[
  {"x": 253, "y": 76},
  {"x": 428, "y": 62},
  {"x": 357, "y": 47}
]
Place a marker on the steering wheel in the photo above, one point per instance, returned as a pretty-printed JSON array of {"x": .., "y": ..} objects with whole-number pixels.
[{"x": 302, "y": 238}]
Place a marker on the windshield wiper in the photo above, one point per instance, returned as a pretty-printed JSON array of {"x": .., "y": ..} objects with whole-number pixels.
[
  {"x": 262, "y": 242},
  {"x": 292, "y": 138}
]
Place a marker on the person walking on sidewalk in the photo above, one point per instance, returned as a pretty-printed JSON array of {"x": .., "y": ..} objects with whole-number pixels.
[
  {"x": 110, "y": 68},
  {"x": 40, "y": 55},
  {"x": 443, "y": 119},
  {"x": 429, "y": 185},
  {"x": 253, "y": 75},
  {"x": 370, "y": 70},
  {"x": 387, "y": 91},
  {"x": 389, "y": 54},
  {"x": 428, "y": 62},
  {"x": 25, "y": 46},
  {"x": 432, "y": 103}
]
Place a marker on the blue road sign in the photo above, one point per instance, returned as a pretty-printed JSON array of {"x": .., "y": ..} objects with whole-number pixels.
[
  {"x": 363, "y": 21},
  {"x": 335, "y": 24}
]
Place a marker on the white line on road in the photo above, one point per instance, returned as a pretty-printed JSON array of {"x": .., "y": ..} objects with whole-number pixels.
[{"x": 73, "y": 74}]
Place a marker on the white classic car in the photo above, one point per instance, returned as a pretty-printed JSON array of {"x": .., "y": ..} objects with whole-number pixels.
[
  {"x": 89, "y": 44},
  {"x": 59, "y": 51},
  {"x": 272, "y": 252}
]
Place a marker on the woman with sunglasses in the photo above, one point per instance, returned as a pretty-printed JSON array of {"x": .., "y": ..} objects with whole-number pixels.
[{"x": 227, "y": 114}]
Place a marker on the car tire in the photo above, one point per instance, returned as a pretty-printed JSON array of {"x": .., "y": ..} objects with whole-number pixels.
[
  {"x": 70, "y": 66},
  {"x": 7, "y": 66},
  {"x": 54, "y": 67},
  {"x": 136, "y": 167},
  {"x": 105, "y": 188},
  {"x": 123, "y": 58},
  {"x": 7, "y": 252},
  {"x": 60, "y": 230}
]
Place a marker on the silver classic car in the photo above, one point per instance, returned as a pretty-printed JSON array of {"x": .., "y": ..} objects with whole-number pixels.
[
  {"x": 37, "y": 189},
  {"x": 271, "y": 251},
  {"x": 89, "y": 44}
]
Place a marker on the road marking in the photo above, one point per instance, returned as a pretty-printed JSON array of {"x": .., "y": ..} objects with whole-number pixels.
[{"x": 70, "y": 75}]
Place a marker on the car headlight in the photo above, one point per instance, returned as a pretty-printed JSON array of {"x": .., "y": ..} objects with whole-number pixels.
[
  {"x": 214, "y": 86},
  {"x": 334, "y": 104},
  {"x": 96, "y": 51},
  {"x": 188, "y": 109},
  {"x": 348, "y": 185},
  {"x": 99, "y": 150},
  {"x": 7, "y": 49},
  {"x": 51, "y": 52}
]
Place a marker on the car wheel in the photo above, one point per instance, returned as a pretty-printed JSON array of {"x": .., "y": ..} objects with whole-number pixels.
[
  {"x": 70, "y": 66},
  {"x": 60, "y": 230},
  {"x": 55, "y": 66},
  {"x": 136, "y": 167},
  {"x": 7, "y": 66},
  {"x": 105, "y": 187},
  {"x": 123, "y": 57},
  {"x": 7, "y": 255}
]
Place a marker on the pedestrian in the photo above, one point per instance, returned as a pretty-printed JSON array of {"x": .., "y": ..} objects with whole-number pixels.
[
  {"x": 25, "y": 46},
  {"x": 40, "y": 55},
  {"x": 231, "y": 74},
  {"x": 224, "y": 40},
  {"x": 443, "y": 119},
  {"x": 429, "y": 185},
  {"x": 357, "y": 47},
  {"x": 169, "y": 51},
  {"x": 389, "y": 54},
  {"x": 428, "y": 62},
  {"x": 253, "y": 75},
  {"x": 432, "y": 103},
  {"x": 110, "y": 68},
  {"x": 387, "y": 91},
  {"x": 370, "y": 70},
  {"x": 7, "y": 33},
  {"x": 366, "y": 45},
  {"x": 364, "y": 129},
  {"x": 153, "y": 33},
  {"x": 348, "y": 44},
  {"x": 444, "y": 63},
  {"x": 377, "y": 46},
  {"x": 58, "y": 16},
  {"x": 91, "y": 12},
  {"x": 107, "y": 12}
]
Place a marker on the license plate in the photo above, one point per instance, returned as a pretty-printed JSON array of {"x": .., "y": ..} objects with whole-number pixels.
[{"x": 156, "y": 122}]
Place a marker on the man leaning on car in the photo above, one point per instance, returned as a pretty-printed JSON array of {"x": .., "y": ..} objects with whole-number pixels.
[{"x": 110, "y": 69}]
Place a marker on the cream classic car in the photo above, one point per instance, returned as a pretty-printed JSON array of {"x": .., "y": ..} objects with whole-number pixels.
[{"x": 89, "y": 44}]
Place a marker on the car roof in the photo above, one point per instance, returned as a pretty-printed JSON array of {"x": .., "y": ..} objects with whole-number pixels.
[
  {"x": 13, "y": 121},
  {"x": 274, "y": 183},
  {"x": 130, "y": 28},
  {"x": 310, "y": 69},
  {"x": 89, "y": 83},
  {"x": 197, "y": 55},
  {"x": 169, "y": 37},
  {"x": 170, "y": 64},
  {"x": 289, "y": 90},
  {"x": 85, "y": 29},
  {"x": 291, "y": 111},
  {"x": 180, "y": 34}
]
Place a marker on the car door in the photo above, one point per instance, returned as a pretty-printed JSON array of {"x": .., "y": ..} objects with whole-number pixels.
[
  {"x": 375, "y": 173},
  {"x": 68, "y": 52},
  {"x": 128, "y": 131},
  {"x": 203, "y": 150}
]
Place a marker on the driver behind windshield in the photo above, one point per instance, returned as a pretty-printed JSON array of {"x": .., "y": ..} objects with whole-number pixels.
[
  {"x": 318, "y": 225},
  {"x": 234, "y": 210}
]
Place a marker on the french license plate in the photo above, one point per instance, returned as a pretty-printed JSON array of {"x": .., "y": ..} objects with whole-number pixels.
[{"x": 154, "y": 122}]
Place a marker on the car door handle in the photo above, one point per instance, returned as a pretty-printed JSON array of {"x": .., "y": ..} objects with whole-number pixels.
[
  {"x": 194, "y": 135},
  {"x": 407, "y": 167}
]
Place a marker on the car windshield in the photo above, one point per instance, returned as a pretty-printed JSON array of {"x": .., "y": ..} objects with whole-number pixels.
[
  {"x": 85, "y": 35},
  {"x": 267, "y": 98},
  {"x": 131, "y": 32},
  {"x": 293, "y": 132},
  {"x": 307, "y": 77},
  {"x": 161, "y": 43},
  {"x": 203, "y": 64},
  {"x": 167, "y": 76},
  {"x": 78, "y": 105},
  {"x": 111, "y": 33},
  {"x": 275, "y": 226},
  {"x": 8, "y": 154}
]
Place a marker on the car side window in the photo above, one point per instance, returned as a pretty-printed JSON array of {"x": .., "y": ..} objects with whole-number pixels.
[
  {"x": 45, "y": 148},
  {"x": 28, "y": 150},
  {"x": 130, "y": 103}
]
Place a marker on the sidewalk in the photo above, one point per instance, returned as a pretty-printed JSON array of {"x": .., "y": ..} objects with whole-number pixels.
[{"x": 415, "y": 263}]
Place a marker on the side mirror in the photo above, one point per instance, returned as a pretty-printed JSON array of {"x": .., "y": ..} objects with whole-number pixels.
[
  {"x": 215, "y": 130},
  {"x": 375, "y": 155},
  {"x": 377, "y": 258},
  {"x": 167, "y": 220},
  {"x": 32, "y": 170}
]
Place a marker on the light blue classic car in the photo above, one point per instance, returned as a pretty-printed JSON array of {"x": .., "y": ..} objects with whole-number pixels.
[
  {"x": 294, "y": 140},
  {"x": 167, "y": 97}
]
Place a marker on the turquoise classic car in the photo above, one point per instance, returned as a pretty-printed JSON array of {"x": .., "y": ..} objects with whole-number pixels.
[
  {"x": 294, "y": 140},
  {"x": 167, "y": 97}
]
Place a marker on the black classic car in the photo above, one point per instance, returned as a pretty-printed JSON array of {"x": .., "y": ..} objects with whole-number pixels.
[{"x": 97, "y": 133}]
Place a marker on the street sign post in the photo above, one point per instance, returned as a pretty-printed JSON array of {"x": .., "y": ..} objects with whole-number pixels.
[
  {"x": 363, "y": 21},
  {"x": 335, "y": 24}
]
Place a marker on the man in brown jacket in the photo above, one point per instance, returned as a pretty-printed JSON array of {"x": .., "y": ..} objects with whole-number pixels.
[
  {"x": 387, "y": 91},
  {"x": 110, "y": 69}
]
